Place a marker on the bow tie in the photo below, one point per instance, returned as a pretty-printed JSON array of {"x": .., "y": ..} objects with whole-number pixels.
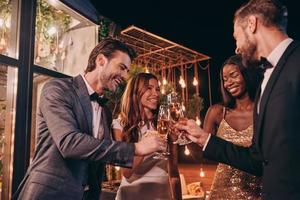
[
  {"x": 265, "y": 64},
  {"x": 100, "y": 100}
]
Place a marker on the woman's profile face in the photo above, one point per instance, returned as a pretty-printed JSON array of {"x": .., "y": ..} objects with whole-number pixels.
[
  {"x": 233, "y": 80},
  {"x": 150, "y": 99}
]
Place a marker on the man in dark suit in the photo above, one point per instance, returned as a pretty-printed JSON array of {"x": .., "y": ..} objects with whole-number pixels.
[
  {"x": 73, "y": 131},
  {"x": 259, "y": 31}
]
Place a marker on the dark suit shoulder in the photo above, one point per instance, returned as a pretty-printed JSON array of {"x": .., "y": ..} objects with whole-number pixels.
[
  {"x": 292, "y": 64},
  {"x": 58, "y": 87},
  {"x": 63, "y": 83}
]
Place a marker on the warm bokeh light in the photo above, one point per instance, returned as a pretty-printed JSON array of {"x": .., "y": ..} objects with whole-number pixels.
[
  {"x": 195, "y": 82},
  {"x": 186, "y": 151},
  {"x": 52, "y": 30},
  {"x": 183, "y": 85},
  {"x": 165, "y": 81},
  {"x": 202, "y": 173}
]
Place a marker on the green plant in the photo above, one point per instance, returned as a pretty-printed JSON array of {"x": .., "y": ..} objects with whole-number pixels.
[
  {"x": 194, "y": 106},
  {"x": 47, "y": 17},
  {"x": 103, "y": 30}
]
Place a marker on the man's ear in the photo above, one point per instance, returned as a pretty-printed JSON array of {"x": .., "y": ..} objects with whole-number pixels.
[
  {"x": 101, "y": 60},
  {"x": 252, "y": 23}
]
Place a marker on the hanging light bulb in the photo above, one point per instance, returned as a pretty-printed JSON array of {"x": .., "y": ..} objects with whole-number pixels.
[
  {"x": 195, "y": 82},
  {"x": 183, "y": 85},
  {"x": 163, "y": 91},
  {"x": 198, "y": 122},
  {"x": 181, "y": 81},
  {"x": 52, "y": 30},
  {"x": 186, "y": 151},
  {"x": 147, "y": 70},
  {"x": 202, "y": 173},
  {"x": 165, "y": 81},
  {"x": 182, "y": 107},
  {"x": 117, "y": 168}
]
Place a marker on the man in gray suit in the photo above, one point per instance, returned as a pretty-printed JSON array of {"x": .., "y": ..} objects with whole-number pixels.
[{"x": 73, "y": 131}]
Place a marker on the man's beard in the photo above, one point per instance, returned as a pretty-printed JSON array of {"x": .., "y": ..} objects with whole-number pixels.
[{"x": 248, "y": 54}]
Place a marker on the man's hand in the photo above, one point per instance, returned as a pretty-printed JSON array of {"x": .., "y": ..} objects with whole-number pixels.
[
  {"x": 150, "y": 144},
  {"x": 193, "y": 131}
]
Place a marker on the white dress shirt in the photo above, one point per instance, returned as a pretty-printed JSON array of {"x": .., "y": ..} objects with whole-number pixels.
[
  {"x": 97, "y": 109},
  {"x": 272, "y": 58}
]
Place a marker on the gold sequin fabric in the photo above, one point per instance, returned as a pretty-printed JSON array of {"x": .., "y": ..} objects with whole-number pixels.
[{"x": 231, "y": 183}]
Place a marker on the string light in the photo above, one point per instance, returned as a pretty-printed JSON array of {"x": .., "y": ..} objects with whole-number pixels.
[
  {"x": 52, "y": 30},
  {"x": 147, "y": 70},
  {"x": 195, "y": 82},
  {"x": 181, "y": 81},
  {"x": 165, "y": 81},
  {"x": 202, "y": 173},
  {"x": 183, "y": 85},
  {"x": 159, "y": 83},
  {"x": 163, "y": 91},
  {"x": 186, "y": 151},
  {"x": 117, "y": 168}
]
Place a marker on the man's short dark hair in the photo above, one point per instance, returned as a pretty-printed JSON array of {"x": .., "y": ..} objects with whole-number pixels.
[
  {"x": 108, "y": 47},
  {"x": 271, "y": 13}
]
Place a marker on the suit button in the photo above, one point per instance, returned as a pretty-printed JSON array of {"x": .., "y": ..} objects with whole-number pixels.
[{"x": 265, "y": 162}]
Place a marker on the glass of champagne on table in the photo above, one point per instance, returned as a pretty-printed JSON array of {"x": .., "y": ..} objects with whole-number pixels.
[
  {"x": 177, "y": 114},
  {"x": 162, "y": 129}
]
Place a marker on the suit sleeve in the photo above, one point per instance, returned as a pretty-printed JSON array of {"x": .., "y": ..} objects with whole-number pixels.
[
  {"x": 243, "y": 158},
  {"x": 70, "y": 140}
]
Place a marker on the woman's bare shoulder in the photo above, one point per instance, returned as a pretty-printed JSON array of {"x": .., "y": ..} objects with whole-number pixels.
[{"x": 216, "y": 109}]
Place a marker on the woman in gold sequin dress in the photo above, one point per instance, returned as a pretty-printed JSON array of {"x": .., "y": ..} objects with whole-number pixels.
[{"x": 233, "y": 121}]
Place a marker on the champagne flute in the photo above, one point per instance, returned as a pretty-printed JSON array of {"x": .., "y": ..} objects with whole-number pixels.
[
  {"x": 162, "y": 129},
  {"x": 177, "y": 113}
]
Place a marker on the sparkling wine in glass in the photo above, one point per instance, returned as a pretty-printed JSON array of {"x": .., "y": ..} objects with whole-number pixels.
[
  {"x": 177, "y": 113},
  {"x": 162, "y": 129}
]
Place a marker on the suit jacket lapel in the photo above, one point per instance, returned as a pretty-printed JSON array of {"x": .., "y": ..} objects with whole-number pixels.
[
  {"x": 271, "y": 83},
  {"x": 84, "y": 98}
]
